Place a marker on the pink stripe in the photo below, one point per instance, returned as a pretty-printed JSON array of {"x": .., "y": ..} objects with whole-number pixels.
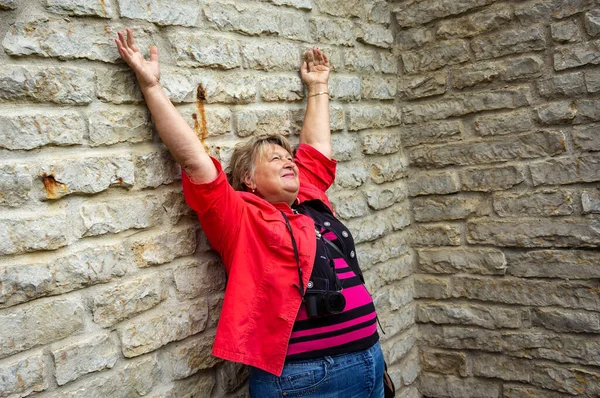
[
  {"x": 346, "y": 275},
  {"x": 329, "y": 236},
  {"x": 340, "y": 263},
  {"x": 332, "y": 328},
  {"x": 355, "y": 296},
  {"x": 329, "y": 342}
]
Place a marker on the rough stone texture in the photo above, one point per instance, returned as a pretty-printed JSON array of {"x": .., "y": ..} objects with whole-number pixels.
[
  {"x": 363, "y": 117},
  {"x": 332, "y": 31},
  {"x": 577, "y": 55},
  {"x": 444, "y": 362},
  {"x": 505, "y": 71},
  {"x": 432, "y": 183},
  {"x": 23, "y": 376},
  {"x": 587, "y": 137},
  {"x": 446, "y": 53},
  {"x": 206, "y": 51},
  {"x": 491, "y": 179},
  {"x": 111, "y": 126},
  {"x": 509, "y": 42},
  {"x": 543, "y": 10},
  {"x": 187, "y": 358},
  {"x": 8, "y": 4},
  {"x": 476, "y": 315},
  {"x": 592, "y": 22},
  {"x": 414, "y": 87},
  {"x": 179, "y": 12},
  {"x": 376, "y": 35},
  {"x": 198, "y": 277},
  {"x": 540, "y": 203},
  {"x": 27, "y": 233},
  {"x": 89, "y": 354},
  {"x": 451, "y": 261},
  {"x": 565, "y": 264},
  {"x": 571, "y": 84},
  {"x": 566, "y": 170},
  {"x": 98, "y": 8},
  {"x": 518, "y": 121},
  {"x": 474, "y": 24},
  {"x": 449, "y": 207},
  {"x": 432, "y": 384},
  {"x": 566, "y": 31},
  {"x": 590, "y": 201},
  {"x": 417, "y": 13},
  {"x": 431, "y": 133}
]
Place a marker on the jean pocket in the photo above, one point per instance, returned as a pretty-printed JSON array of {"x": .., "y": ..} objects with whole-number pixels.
[{"x": 302, "y": 380}]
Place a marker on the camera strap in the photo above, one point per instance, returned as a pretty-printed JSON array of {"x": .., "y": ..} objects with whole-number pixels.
[{"x": 300, "y": 286}]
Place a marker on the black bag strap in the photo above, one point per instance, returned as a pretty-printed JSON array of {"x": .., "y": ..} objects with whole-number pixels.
[{"x": 300, "y": 285}]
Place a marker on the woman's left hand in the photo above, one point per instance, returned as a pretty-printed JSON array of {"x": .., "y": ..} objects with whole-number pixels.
[{"x": 315, "y": 68}]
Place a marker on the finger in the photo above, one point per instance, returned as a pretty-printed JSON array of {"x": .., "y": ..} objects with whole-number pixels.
[
  {"x": 304, "y": 67},
  {"x": 130, "y": 41},
  {"x": 325, "y": 59},
  {"x": 318, "y": 56},
  {"x": 153, "y": 54},
  {"x": 122, "y": 40}
]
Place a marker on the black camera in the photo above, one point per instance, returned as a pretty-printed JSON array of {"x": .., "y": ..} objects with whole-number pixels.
[{"x": 328, "y": 303}]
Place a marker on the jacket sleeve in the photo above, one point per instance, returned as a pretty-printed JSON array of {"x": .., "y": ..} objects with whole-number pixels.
[
  {"x": 219, "y": 208},
  {"x": 315, "y": 168}
]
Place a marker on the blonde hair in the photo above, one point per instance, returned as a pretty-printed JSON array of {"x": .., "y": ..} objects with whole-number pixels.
[{"x": 243, "y": 159}]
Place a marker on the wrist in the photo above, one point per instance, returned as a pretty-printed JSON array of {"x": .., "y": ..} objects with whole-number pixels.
[{"x": 317, "y": 87}]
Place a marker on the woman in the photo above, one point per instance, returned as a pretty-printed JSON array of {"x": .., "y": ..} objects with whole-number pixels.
[{"x": 295, "y": 308}]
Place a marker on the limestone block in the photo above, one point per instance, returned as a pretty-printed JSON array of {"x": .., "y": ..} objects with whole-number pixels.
[
  {"x": 556, "y": 112},
  {"x": 545, "y": 10},
  {"x": 136, "y": 378},
  {"x": 565, "y": 320},
  {"x": 485, "y": 316},
  {"x": 546, "y": 202},
  {"x": 178, "y": 12},
  {"x": 397, "y": 347},
  {"x": 380, "y": 143},
  {"x": 300, "y": 4},
  {"x": 270, "y": 56},
  {"x": 409, "y": 39},
  {"x": 592, "y": 22},
  {"x": 49, "y": 38},
  {"x": 164, "y": 246},
  {"x": 232, "y": 375},
  {"x": 526, "y": 146},
  {"x": 502, "y": 367},
  {"x": 570, "y": 380},
  {"x": 263, "y": 122},
  {"x": 32, "y": 232},
  {"x": 199, "y": 276},
  {"x": 349, "y": 204},
  {"x": 590, "y": 201},
  {"x": 449, "y": 207},
  {"x": 386, "y": 169},
  {"x": 585, "y": 168},
  {"x": 28, "y": 280},
  {"x": 187, "y": 358},
  {"x": 425, "y": 183},
  {"x": 510, "y": 122},
  {"x": 295, "y": 26},
  {"x": 119, "y": 87},
  {"x": 198, "y": 385},
  {"x": 345, "y": 147},
  {"x": 421, "y": 86},
  {"x": 115, "y": 215},
  {"x": 385, "y": 195},
  {"x": 519, "y": 391},
  {"x": 155, "y": 168},
  {"x": 508, "y": 42},
  {"x": 397, "y": 321},
  {"x": 243, "y": 18},
  {"x": 348, "y": 9},
  {"x": 587, "y": 137},
  {"x": 64, "y": 85},
  {"x": 491, "y": 179},
  {"x": 345, "y": 88},
  {"x": 444, "y": 362},
  {"x": 431, "y": 133},
  {"x": 218, "y": 120},
  {"x": 8, "y": 4},
  {"x": 443, "y": 53},
  {"x": 127, "y": 299},
  {"x": 379, "y": 88},
  {"x": 20, "y": 377},
  {"x": 464, "y": 104},
  {"x": 364, "y": 117},
  {"x": 577, "y": 55},
  {"x": 375, "y": 35},
  {"x": 434, "y": 235},
  {"x": 96, "y": 8},
  {"x": 377, "y": 11},
  {"x": 475, "y": 24},
  {"x": 472, "y": 261},
  {"x": 145, "y": 334},
  {"x": 199, "y": 49},
  {"x": 566, "y": 31},
  {"x": 567, "y": 85},
  {"x": 109, "y": 126},
  {"x": 397, "y": 269},
  {"x": 332, "y": 31},
  {"x": 45, "y": 321},
  {"x": 389, "y": 63},
  {"x": 336, "y": 116},
  {"x": 368, "y": 228},
  {"x": 410, "y": 392},
  {"x": 576, "y": 295},
  {"x": 88, "y": 175},
  {"x": 432, "y": 287},
  {"x": 390, "y": 246},
  {"x": 175, "y": 207},
  {"x": 86, "y": 355},
  {"x": 15, "y": 184},
  {"x": 587, "y": 111},
  {"x": 419, "y": 13},
  {"x": 215, "y": 304},
  {"x": 566, "y": 264},
  {"x": 361, "y": 60},
  {"x": 432, "y": 384},
  {"x": 527, "y": 67},
  {"x": 32, "y": 129},
  {"x": 281, "y": 88}
]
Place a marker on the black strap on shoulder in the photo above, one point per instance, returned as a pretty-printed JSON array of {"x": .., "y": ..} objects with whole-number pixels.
[
  {"x": 357, "y": 271},
  {"x": 300, "y": 286}
]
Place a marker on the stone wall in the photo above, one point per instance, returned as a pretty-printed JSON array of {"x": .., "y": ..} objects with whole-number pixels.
[
  {"x": 107, "y": 285},
  {"x": 500, "y": 111}
]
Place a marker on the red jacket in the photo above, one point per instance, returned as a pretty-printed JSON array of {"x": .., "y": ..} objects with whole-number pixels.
[{"x": 250, "y": 234}]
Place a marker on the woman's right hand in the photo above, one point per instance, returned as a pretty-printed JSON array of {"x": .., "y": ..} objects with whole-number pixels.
[{"x": 147, "y": 72}]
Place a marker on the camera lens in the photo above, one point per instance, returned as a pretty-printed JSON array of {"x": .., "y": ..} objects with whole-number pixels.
[{"x": 334, "y": 302}]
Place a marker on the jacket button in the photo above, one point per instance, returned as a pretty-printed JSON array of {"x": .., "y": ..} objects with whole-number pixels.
[
  {"x": 345, "y": 234},
  {"x": 352, "y": 254},
  {"x": 327, "y": 224}
]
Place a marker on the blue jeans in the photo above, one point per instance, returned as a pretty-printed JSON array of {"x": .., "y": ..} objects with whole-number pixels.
[{"x": 355, "y": 375}]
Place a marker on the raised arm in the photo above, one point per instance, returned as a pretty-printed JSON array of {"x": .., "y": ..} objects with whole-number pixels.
[
  {"x": 174, "y": 132},
  {"x": 315, "y": 75}
]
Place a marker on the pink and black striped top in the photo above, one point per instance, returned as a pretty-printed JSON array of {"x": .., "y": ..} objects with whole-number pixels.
[{"x": 355, "y": 328}]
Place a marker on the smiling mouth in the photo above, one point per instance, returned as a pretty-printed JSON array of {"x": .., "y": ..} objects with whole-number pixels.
[{"x": 289, "y": 175}]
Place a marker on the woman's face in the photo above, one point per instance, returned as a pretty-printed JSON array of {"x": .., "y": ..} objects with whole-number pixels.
[{"x": 275, "y": 176}]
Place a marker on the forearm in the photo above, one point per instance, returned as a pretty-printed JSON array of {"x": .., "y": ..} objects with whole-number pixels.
[
  {"x": 315, "y": 129},
  {"x": 178, "y": 137}
]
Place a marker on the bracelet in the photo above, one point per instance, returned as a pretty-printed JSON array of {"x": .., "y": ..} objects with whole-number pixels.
[{"x": 319, "y": 93}]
